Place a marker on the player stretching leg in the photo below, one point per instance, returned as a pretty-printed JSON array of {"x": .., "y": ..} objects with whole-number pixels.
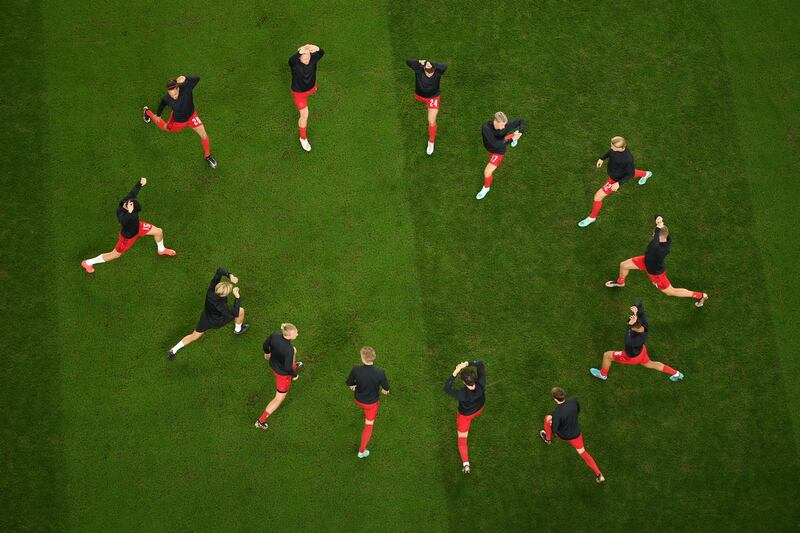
[
  {"x": 653, "y": 263},
  {"x": 132, "y": 229},
  {"x": 564, "y": 423},
  {"x": 471, "y": 400},
  {"x": 179, "y": 98},
  {"x": 216, "y": 313},
  {"x": 428, "y": 75},
  {"x": 620, "y": 170},
  {"x": 282, "y": 357},
  {"x": 497, "y": 134},
  {"x": 635, "y": 352},
  {"x": 368, "y": 382},
  {"x": 304, "y": 83}
]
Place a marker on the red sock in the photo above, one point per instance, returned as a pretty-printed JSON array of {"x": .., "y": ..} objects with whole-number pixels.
[
  {"x": 303, "y": 133},
  {"x": 206, "y": 146},
  {"x": 264, "y": 416},
  {"x": 366, "y": 434},
  {"x": 548, "y": 429},
  {"x": 640, "y": 173},
  {"x": 487, "y": 181},
  {"x": 462, "y": 449},
  {"x": 697, "y": 295},
  {"x": 158, "y": 121},
  {"x": 590, "y": 461},
  {"x": 669, "y": 370},
  {"x": 620, "y": 281},
  {"x": 596, "y": 207},
  {"x": 431, "y": 132},
  {"x": 603, "y": 371}
]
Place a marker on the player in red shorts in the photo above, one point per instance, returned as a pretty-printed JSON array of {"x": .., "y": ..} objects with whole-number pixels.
[
  {"x": 368, "y": 382},
  {"x": 620, "y": 170},
  {"x": 179, "y": 98},
  {"x": 471, "y": 400},
  {"x": 564, "y": 422},
  {"x": 304, "y": 83},
  {"x": 282, "y": 357},
  {"x": 132, "y": 228},
  {"x": 428, "y": 75},
  {"x": 216, "y": 312},
  {"x": 653, "y": 263},
  {"x": 635, "y": 352},
  {"x": 497, "y": 134}
]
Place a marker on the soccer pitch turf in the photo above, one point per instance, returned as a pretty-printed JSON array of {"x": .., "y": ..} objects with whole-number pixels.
[{"x": 366, "y": 240}]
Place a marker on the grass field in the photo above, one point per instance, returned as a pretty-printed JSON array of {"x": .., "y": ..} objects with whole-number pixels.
[{"x": 366, "y": 240}]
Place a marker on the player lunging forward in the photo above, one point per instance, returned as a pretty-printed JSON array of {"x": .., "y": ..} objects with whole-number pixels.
[
  {"x": 131, "y": 229},
  {"x": 179, "y": 98},
  {"x": 653, "y": 263},
  {"x": 368, "y": 382},
  {"x": 304, "y": 83},
  {"x": 216, "y": 313},
  {"x": 498, "y": 133},
  {"x": 564, "y": 423},
  {"x": 428, "y": 75},
  {"x": 471, "y": 400},
  {"x": 635, "y": 352},
  {"x": 282, "y": 357}
]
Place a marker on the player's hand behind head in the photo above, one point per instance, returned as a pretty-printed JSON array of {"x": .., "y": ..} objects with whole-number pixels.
[
  {"x": 233, "y": 279},
  {"x": 235, "y": 292}
]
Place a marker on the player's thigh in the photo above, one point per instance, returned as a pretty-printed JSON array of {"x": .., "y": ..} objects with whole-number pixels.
[
  {"x": 154, "y": 230},
  {"x": 201, "y": 131},
  {"x": 432, "y": 114},
  {"x": 629, "y": 265}
]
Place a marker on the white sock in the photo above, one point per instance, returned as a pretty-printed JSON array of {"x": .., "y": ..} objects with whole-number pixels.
[
  {"x": 177, "y": 347},
  {"x": 161, "y": 246},
  {"x": 237, "y": 328},
  {"x": 94, "y": 261}
]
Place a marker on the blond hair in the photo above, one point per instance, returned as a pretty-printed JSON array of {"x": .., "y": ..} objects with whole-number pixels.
[
  {"x": 223, "y": 289},
  {"x": 287, "y": 328},
  {"x": 619, "y": 142},
  {"x": 368, "y": 354},
  {"x": 500, "y": 117}
]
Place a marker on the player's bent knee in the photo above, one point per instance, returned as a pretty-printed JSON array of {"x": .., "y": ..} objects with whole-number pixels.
[
  {"x": 580, "y": 450},
  {"x": 369, "y": 422}
]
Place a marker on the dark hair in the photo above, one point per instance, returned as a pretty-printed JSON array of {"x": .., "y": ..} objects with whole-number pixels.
[
  {"x": 429, "y": 70},
  {"x": 559, "y": 394},
  {"x": 468, "y": 376},
  {"x": 136, "y": 205},
  {"x": 172, "y": 84}
]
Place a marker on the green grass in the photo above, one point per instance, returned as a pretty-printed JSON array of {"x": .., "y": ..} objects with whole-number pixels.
[{"x": 368, "y": 241}]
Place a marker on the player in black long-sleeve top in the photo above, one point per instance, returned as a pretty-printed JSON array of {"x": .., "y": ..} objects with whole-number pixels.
[
  {"x": 179, "y": 98},
  {"x": 216, "y": 312},
  {"x": 497, "y": 134},
  {"x": 471, "y": 399},
  {"x": 652, "y": 262},
  {"x": 368, "y": 382},
  {"x": 428, "y": 76},
  {"x": 303, "y": 65},
  {"x": 564, "y": 423},
  {"x": 620, "y": 170},
  {"x": 635, "y": 352},
  {"x": 131, "y": 228},
  {"x": 282, "y": 357}
]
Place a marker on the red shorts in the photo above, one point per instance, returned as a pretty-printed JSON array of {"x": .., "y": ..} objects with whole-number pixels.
[
  {"x": 301, "y": 99},
  {"x": 193, "y": 122},
  {"x": 495, "y": 159},
  {"x": 433, "y": 103},
  {"x": 370, "y": 409},
  {"x": 282, "y": 383},
  {"x": 463, "y": 422},
  {"x": 607, "y": 187},
  {"x": 124, "y": 244},
  {"x": 642, "y": 358},
  {"x": 659, "y": 280}
]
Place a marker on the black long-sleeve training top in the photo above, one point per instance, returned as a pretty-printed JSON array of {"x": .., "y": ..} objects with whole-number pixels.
[
  {"x": 130, "y": 221},
  {"x": 620, "y": 165},
  {"x": 426, "y": 87},
  {"x": 183, "y": 107},
  {"x": 281, "y": 354},
  {"x": 216, "y": 308},
  {"x": 494, "y": 140},
  {"x": 656, "y": 253},
  {"x": 304, "y": 77},
  {"x": 368, "y": 380},
  {"x": 565, "y": 419},
  {"x": 635, "y": 341},
  {"x": 469, "y": 401}
]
